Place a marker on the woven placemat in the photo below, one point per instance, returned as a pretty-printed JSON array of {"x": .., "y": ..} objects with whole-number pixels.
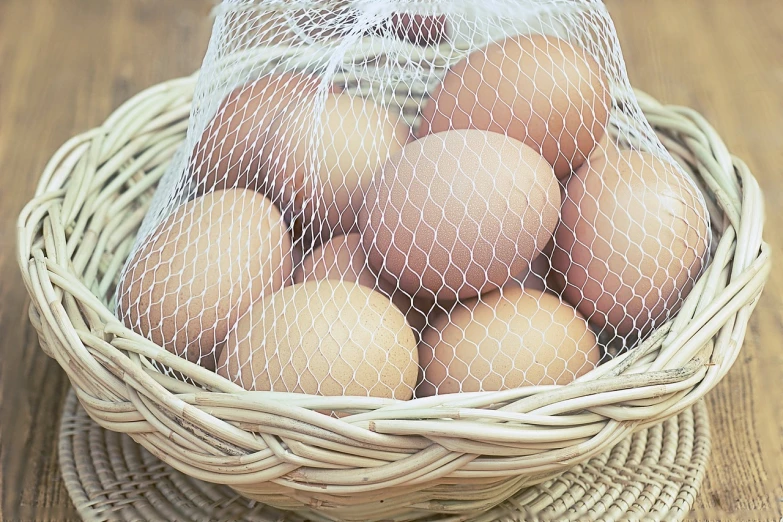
[{"x": 653, "y": 475}]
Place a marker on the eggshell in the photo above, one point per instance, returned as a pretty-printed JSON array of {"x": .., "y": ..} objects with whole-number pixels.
[
  {"x": 323, "y": 338},
  {"x": 606, "y": 147},
  {"x": 535, "y": 276},
  {"x": 342, "y": 258},
  {"x": 419, "y": 29},
  {"x": 325, "y": 182},
  {"x": 633, "y": 239},
  {"x": 458, "y": 213},
  {"x": 418, "y": 314},
  {"x": 297, "y": 254},
  {"x": 229, "y": 153},
  {"x": 538, "y": 89},
  {"x": 504, "y": 340},
  {"x": 200, "y": 270}
]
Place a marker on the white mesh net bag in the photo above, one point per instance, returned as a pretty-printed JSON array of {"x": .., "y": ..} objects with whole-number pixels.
[{"x": 408, "y": 198}]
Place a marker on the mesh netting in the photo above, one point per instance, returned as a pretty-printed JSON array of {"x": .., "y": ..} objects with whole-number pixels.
[{"x": 399, "y": 197}]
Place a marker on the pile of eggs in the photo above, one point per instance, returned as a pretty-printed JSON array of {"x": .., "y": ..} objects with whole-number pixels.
[{"x": 483, "y": 250}]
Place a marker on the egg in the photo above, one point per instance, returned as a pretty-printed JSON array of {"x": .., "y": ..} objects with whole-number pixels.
[
  {"x": 418, "y": 314},
  {"x": 506, "y": 339},
  {"x": 538, "y": 89},
  {"x": 229, "y": 152},
  {"x": 201, "y": 268},
  {"x": 633, "y": 239},
  {"x": 342, "y": 258},
  {"x": 458, "y": 213},
  {"x": 536, "y": 275},
  {"x": 606, "y": 147},
  {"x": 297, "y": 254},
  {"x": 325, "y": 182},
  {"x": 418, "y": 29},
  {"x": 325, "y": 337}
]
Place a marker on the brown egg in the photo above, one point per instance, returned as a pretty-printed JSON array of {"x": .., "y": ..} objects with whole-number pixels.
[
  {"x": 538, "y": 89},
  {"x": 229, "y": 153},
  {"x": 357, "y": 138},
  {"x": 458, "y": 213},
  {"x": 323, "y": 338},
  {"x": 535, "y": 276},
  {"x": 606, "y": 147},
  {"x": 418, "y": 29},
  {"x": 200, "y": 270},
  {"x": 297, "y": 254},
  {"x": 342, "y": 258},
  {"x": 504, "y": 340},
  {"x": 633, "y": 239},
  {"x": 418, "y": 314}
]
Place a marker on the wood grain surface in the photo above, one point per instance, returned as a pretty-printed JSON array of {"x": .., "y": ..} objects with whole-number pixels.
[{"x": 66, "y": 64}]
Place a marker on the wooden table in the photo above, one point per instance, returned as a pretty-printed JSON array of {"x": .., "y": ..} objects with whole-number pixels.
[{"x": 66, "y": 64}]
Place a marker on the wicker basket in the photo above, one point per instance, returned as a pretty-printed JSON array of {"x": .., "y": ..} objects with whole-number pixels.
[
  {"x": 652, "y": 475},
  {"x": 458, "y": 454}
]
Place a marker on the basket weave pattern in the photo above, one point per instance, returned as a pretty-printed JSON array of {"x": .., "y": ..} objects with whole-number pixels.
[
  {"x": 454, "y": 454},
  {"x": 654, "y": 474}
]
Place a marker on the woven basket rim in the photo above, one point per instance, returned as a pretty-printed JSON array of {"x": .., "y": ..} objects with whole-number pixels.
[
  {"x": 75, "y": 234},
  {"x": 660, "y": 472}
]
